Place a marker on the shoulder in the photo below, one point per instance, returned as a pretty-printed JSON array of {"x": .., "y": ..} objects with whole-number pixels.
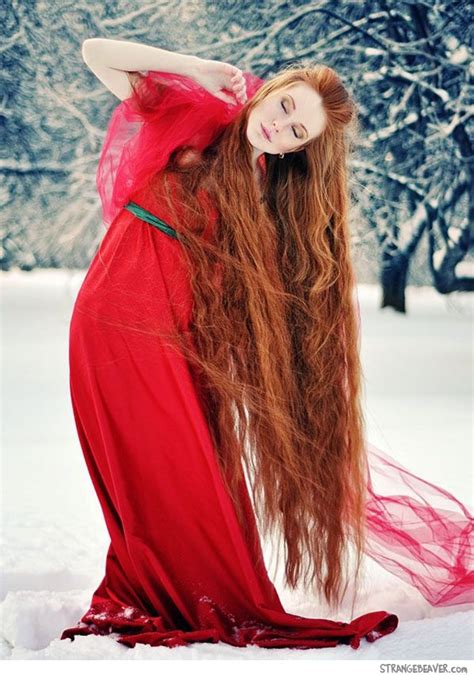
[{"x": 187, "y": 156}]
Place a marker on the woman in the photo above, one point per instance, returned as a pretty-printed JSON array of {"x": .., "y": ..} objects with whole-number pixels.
[{"x": 214, "y": 347}]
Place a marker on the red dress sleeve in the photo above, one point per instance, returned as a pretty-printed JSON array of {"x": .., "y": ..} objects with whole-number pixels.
[{"x": 166, "y": 111}]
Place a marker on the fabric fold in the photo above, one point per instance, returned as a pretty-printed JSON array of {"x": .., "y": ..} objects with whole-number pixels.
[{"x": 131, "y": 627}]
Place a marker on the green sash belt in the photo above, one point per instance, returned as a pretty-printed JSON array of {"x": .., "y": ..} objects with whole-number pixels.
[{"x": 148, "y": 217}]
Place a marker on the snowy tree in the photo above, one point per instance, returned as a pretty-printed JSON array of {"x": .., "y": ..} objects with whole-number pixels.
[
  {"x": 408, "y": 66},
  {"x": 418, "y": 152}
]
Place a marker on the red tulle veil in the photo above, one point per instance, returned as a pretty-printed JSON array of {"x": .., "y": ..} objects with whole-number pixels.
[{"x": 416, "y": 530}]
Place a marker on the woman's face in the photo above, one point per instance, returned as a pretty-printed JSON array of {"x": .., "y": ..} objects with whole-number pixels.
[{"x": 286, "y": 120}]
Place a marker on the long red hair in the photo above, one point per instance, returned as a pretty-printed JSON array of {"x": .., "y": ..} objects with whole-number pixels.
[{"x": 273, "y": 339}]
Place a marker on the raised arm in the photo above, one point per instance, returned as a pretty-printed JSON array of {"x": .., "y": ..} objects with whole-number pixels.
[{"x": 116, "y": 62}]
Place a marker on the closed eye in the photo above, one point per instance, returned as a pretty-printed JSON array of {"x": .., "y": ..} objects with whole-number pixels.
[{"x": 283, "y": 106}]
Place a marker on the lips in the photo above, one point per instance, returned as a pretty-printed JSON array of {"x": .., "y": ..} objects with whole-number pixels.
[{"x": 265, "y": 133}]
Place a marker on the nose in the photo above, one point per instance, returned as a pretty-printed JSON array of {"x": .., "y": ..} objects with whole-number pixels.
[{"x": 275, "y": 125}]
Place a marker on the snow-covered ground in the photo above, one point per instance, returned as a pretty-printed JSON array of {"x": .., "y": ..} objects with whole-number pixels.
[{"x": 418, "y": 381}]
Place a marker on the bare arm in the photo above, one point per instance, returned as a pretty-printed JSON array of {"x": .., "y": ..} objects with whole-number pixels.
[{"x": 116, "y": 62}]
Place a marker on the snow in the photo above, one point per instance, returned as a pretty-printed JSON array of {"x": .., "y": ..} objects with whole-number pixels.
[
  {"x": 417, "y": 405},
  {"x": 391, "y": 129},
  {"x": 373, "y": 51},
  {"x": 460, "y": 55},
  {"x": 465, "y": 268}
]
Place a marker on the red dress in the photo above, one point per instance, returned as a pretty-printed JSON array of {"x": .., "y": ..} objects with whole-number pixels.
[{"x": 179, "y": 567}]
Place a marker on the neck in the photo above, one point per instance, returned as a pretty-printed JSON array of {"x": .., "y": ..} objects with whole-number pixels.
[{"x": 255, "y": 155}]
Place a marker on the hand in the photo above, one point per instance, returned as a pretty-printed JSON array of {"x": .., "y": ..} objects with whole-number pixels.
[{"x": 217, "y": 75}]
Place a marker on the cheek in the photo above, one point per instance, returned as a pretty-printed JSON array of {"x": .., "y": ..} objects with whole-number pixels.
[
  {"x": 254, "y": 118},
  {"x": 264, "y": 112}
]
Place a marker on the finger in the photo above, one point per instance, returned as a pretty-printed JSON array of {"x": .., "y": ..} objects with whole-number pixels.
[
  {"x": 241, "y": 92},
  {"x": 241, "y": 97},
  {"x": 241, "y": 89},
  {"x": 238, "y": 77},
  {"x": 238, "y": 81},
  {"x": 225, "y": 97},
  {"x": 232, "y": 70}
]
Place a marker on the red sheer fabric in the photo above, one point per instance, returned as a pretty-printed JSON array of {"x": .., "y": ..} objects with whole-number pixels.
[
  {"x": 166, "y": 112},
  {"x": 419, "y": 532},
  {"x": 179, "y": 568}
]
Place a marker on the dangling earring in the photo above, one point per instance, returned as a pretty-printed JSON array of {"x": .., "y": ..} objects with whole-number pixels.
[{"x": 281, "y": 155}]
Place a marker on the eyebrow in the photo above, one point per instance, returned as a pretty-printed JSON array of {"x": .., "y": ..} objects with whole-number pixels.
[{"x": 294, "y": 108}]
